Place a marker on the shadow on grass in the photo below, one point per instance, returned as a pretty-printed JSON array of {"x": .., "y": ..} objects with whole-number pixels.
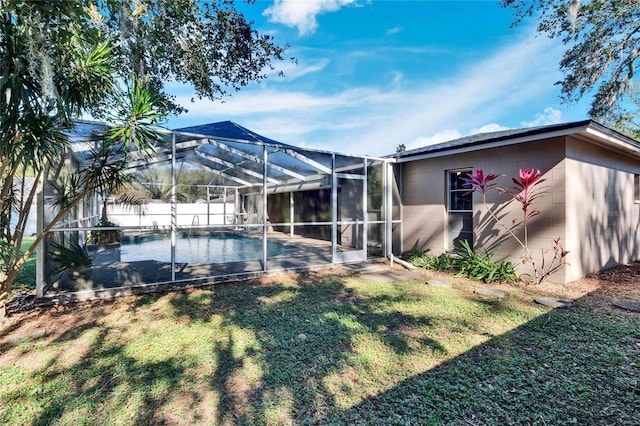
[
  {"x": 305, "y": 334},
  {"x": 560, "y": 368},
  {"x": 120, "y": 379},
  {"x": 107, "y": 377},
  {"x": 89, "y": 383},
  {"x": 287, "y": 353}
]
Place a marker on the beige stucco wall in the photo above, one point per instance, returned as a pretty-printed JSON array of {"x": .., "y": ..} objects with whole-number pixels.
[
  {"x": 602, "y": 217},
  {"x": 424, "y": 200}
]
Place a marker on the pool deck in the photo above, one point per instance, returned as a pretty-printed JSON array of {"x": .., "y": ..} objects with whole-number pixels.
[{"x": 116, "y": 278}]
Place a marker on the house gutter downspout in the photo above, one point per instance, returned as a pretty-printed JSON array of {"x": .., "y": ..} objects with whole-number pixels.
[{"x": 401, "y": 262}]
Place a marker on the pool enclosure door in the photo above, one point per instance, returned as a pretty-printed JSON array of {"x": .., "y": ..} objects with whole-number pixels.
[{"x": 350, "y": 236}]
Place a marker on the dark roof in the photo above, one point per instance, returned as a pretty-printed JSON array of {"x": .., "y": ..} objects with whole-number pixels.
[
  {"x": 480, "y": 139},
  {"x": 83, "y": 130},
  {"x": 230, "y": 131}
]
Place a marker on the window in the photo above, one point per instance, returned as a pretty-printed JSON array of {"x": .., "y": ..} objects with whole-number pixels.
[
  {"x": 636, "y": 188},
  {"x": 459, "y": 195}
]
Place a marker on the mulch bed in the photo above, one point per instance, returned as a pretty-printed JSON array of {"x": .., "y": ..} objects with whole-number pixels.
[{"x": 622, "y": 278}]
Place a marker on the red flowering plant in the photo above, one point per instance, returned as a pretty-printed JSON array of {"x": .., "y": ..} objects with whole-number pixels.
[
  {"x": 478, "y": 182},
  {"x": 527, "y": 189}
]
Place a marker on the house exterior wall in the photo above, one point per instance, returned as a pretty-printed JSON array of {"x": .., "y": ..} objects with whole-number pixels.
[
  {"x": 602, "y": 216},
  {"x": 424, "y": 194}
]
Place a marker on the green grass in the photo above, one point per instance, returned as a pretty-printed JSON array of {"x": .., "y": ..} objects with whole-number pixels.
[
  {"x": 321, "y": 349},
  {"x": 26, "y": 280}
]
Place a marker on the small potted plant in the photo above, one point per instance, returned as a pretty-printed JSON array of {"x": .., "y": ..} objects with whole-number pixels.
[
  {"x": 104, "y": 244},
  {"x": 74, "y": 259},
  {"x": 105, "y": 236}
]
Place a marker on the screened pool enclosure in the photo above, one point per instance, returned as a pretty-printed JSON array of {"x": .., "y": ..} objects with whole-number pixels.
[{"x": 213, "y": 202}]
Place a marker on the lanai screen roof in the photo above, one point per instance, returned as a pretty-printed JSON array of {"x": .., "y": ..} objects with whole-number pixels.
[
  {"x": 231, "y": 131},
  {"x": 232, "y": 153},
  {"x": 236, "y": 154}
]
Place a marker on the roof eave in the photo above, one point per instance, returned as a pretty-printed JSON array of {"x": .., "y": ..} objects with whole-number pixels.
[
  {"x": 603, "y": 136},
  {"x": 475, "y": 146},
  {"x": 589, "y": 131}
]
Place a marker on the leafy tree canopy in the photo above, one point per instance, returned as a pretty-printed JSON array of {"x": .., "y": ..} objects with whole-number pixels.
[
  {"x": 62, "y": 60},
  {"x": 208, "y": 44},
  {"x": 603, "y": 51}
]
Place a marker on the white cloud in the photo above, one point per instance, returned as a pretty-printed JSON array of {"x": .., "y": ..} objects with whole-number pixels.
[
  {"x": 302, "y": 14},
  {"x": 549, "y": 116},
  {"x": 397, "y": 78},
  {"x": 488, "y": 128},
  {"x": 451, "y": 134},
  {"x": 441, "y": 136},
  {"x": 374, "y": 120},
  {"x": 395, "y": 30},
  {"x": 478, "y": 94},
  {"x": 280, "y": 102},
  {"x": 293, "y": 71}
]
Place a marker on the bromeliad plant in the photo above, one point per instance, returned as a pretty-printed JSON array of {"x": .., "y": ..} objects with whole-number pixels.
[{"x": 527, "y": 189}]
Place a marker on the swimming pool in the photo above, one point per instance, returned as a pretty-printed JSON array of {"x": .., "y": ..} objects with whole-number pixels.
[{"x": 215, "y": 248}]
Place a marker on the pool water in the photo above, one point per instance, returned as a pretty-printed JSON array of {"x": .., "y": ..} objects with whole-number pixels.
[{"x": 222, "y": 248}]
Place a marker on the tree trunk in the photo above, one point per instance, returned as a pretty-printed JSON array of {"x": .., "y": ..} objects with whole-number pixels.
[
  {"x": 4, "y": 295},
  {"x": 104, "y": 218},
  {"x": 3, "y": 312}
]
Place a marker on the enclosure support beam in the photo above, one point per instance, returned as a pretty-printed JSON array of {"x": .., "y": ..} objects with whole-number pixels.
[
  {"x": 209, "y": 207},
  {"x": 291, "y": 214},
  {"x": 388, "y": 206},
  {"x": 265, "y": 228},
  {"x": 334, "y": 210},
  {"x": 365, "y": 209},
  {"x": 388, "y": 226},
  {"x": 182, "y": 150},
  {"x": 174, "y": 207},
  {"x": 236, "y": 206},
  {"x": 41, "y": 247},
  {"x": 234, "y": 166},
  {"x": 255, "y": 158},
  {"x": 307, "y": 160},
  {"x": 229, "y": 177},
  {"x": 224, "y": 206}
]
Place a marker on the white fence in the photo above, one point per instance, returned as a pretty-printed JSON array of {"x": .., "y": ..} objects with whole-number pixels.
[{"x": 158, "y": 215}]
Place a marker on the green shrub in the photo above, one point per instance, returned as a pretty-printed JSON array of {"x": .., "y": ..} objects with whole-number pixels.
[
  {"x": 444, "y": 262},
  {"x": 478, "y": 266},
  {"x": 105, "y": 236},
  {"x": 71, "y": 257}
]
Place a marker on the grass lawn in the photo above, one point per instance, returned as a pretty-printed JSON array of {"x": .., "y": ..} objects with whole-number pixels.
[
  {"x": 26, "y": 281},
  {"x": 323, "y": 348}
]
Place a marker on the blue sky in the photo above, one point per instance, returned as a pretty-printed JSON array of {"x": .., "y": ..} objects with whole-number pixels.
[{"x": 374, "y": 74}]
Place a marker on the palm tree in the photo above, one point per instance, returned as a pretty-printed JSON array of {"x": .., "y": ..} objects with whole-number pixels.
[
  {"x": 58, "y": 63},
  {"x": 40, "y": 97}
]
